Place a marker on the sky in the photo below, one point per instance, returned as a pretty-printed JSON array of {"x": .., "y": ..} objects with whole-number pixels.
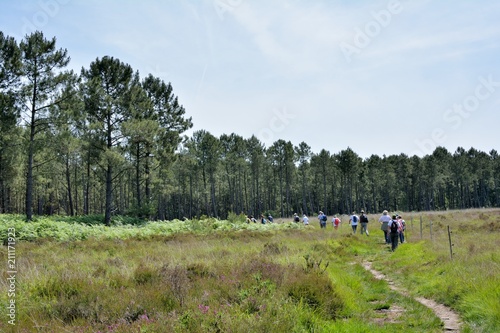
[{"x": 380, "y": 77}]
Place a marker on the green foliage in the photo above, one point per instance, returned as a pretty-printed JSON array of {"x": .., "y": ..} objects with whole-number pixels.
[
  {"x": 234, "y": 218},
  {"x": 272, "y": 278},
  {"x": 124, "y": 227},
  {"x": 316, "y": 292},
  {"x": 469, "y": 283}
]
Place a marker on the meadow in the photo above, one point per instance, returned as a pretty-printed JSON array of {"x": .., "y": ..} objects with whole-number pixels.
[{"x": 206, "y": 275}]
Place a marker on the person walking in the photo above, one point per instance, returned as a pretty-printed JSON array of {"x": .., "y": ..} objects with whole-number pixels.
[
  {"x": 335, "y": 222},
  {"x": 305, "y": 219},
  {"x": 384, "y": 223},
  {"x": 250, "y": 218},
  {"x": 354, "y": 219},
  {"x": 394, "y": 229},
  {"x": 363, "y": 219},
  {"x": 402, "y": 224},
  {"x": 322, "y": 219}
]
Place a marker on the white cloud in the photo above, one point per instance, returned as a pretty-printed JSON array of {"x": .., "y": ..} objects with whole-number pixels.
[{"x": 231, "y": 72}]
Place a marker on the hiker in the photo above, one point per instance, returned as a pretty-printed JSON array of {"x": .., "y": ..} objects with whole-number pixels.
[
  {"x": 270, "y": 218},
  {"x": 322, "y": 219},
  {"x": 296, "y": 218},
  {"x": 262, "y": 219},
  {"x": 384, "y": 222},
  {"x": 250, "y": 218},
  {"x": 354, "y": 219},
  {"x": 402, "y": 224},
  {"x": 394, "y": 229},
  {"x": 335, "y": 222},
  {"x": 364, "y": 223},
  {"x": 305, "y": 219}
]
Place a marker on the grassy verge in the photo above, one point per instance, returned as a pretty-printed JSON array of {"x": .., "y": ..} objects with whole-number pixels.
[
  {"x": 467, "y": 280},
  {"x": 272, "y": 278}
]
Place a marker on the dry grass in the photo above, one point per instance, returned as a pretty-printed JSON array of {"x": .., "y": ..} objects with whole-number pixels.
[{"x": 286, "y": 280}]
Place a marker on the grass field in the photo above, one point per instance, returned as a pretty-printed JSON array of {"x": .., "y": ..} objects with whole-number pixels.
[{"x": 228, "y": 276}]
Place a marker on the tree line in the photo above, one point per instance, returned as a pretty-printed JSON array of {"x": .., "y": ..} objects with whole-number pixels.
[{"x": 106, "y": 141}]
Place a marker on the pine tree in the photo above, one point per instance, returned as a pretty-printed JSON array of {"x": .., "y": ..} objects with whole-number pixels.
[
  {"x": 107, "y": 84},
  {"x": 42, "y": 70},
  {"x": 10, "y": 71}
]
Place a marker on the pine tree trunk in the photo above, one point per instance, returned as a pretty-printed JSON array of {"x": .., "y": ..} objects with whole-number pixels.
[
  {"x": 138, "y": 177},
  {"x": 109, "y": 195},
  {"x": 29, "y": 175},
  {"x": 86, "y": 195},
  {"x": 68, "y": 185}
]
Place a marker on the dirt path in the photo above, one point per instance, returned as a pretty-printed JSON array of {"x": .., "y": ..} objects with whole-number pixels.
[{"x": 449, "y": 317}]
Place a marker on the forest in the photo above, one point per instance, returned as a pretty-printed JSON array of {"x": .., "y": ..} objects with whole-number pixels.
[{"x": 109, "y": 142}]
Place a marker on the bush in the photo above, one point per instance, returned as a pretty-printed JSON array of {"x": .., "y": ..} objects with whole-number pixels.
[
  {"x": 316, "y": 292},
  {"x": 234, "y": 218}
]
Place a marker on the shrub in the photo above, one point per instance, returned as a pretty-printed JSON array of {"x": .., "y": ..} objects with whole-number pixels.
[
  {"x": 144, "y": 275},
  {"x": 234, "y": 218},
  {"x": 199, "y": 270},
  {"x": 178, "y": 281},
  {"x": 272, "y": 248},
  {"x": 266, "y": 269},
  {"x": 316, "y": 291}
]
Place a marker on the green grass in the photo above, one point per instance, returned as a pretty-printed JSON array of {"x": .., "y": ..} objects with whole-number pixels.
[
  {"x": 470, "y": 282},
  {"x": 79, "y": 228},
  {"x": 221, "y": 276}
]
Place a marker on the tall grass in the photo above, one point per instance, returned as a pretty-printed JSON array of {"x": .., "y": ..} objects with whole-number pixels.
[
  {"x": 82, "y": 228},
  {"x": 467, "y": 280},
  {"x": 222, "y": 276}
]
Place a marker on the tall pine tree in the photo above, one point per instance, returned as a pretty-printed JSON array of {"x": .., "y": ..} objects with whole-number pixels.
[{"x": 43, "y": 79}]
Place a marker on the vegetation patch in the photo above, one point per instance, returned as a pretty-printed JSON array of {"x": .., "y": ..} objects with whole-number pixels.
[{"x": 260, "y": 279}]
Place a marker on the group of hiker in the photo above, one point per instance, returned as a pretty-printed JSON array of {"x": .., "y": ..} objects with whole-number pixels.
[
  {"x": 393, "y": 227},
  {"x": 263, "y": 219},
  {"x": 322, "y": 220}
]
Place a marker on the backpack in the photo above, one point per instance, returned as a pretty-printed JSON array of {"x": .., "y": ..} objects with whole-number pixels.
[
  {"x": 296, "y": 219},
  {"x": 363, "y": 218},
  {"x": 354, "y": 219},
  {"x": 403, "y": 224},
  {"x": 324, "y": 218},
  {"x": 394, "y": 226}
]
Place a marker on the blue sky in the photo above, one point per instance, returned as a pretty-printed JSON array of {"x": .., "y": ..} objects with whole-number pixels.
[{"x": 380, "y": 77}]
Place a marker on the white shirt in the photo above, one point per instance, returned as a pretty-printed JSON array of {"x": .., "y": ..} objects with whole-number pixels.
[
  {"x": 305, "y": 219},
  {"x": 384, "y": 218},
  {"x": 352, "y": 220}
]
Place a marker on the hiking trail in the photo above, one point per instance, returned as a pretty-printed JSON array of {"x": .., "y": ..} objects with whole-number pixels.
[{"x": 450, "y": 318}]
